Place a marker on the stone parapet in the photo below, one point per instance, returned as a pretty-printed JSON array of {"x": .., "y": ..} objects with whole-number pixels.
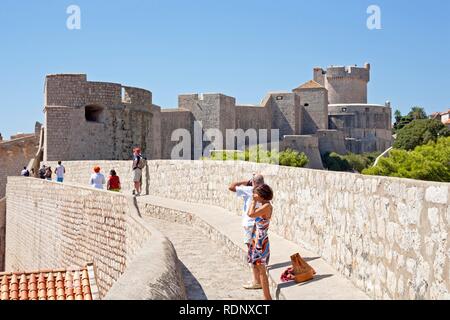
[
  {"x": 51, "y": 225},
  {"x": 388, "y": 235}
]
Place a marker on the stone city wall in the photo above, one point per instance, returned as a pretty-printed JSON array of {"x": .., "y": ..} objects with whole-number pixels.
[
  {"x": 172, "y": 120},
  {"x": 388, "y": 235},
  {"x": 252, "y": 117},
  {"x": 14, "y": 155},
  {"x": 61, "y": 226},
  {"x": 2, "y": 233}
]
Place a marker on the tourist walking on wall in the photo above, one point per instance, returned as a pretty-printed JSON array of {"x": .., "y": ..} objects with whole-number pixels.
[
  {"x": 48, "y": 173},
  {"x": 259, "y": 249},
  {"x": 25, "y": 172},
  {"x": 97, "y": 178},
  {"x": 244, "y": 189},
  {"x": 60, "y": 171},
  {"x": 113, "y": 181},
  {"x": 42, "y": 171},
  {"x": 139, "y": 163}
]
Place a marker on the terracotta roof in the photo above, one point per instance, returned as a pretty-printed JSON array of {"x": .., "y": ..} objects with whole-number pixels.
[
  {"x": 310, "y": 85},
  {"x": 60, "y": 284}
]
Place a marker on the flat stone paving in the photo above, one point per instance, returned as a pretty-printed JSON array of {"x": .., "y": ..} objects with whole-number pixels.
[
  {"x": 328, "y": 284},
  {"x": 209, "y": 274}
]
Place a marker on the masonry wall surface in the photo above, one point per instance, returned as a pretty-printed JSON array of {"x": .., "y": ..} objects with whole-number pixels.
[
  {"x": 2, "y": 233},
  {"x": 315, "y": 104},
  {"x": 171, "y": 121},
  {"x": 14, "y": 155},
  {"x": 62, "y": 226},
  {"x": 388, "y": 235}
]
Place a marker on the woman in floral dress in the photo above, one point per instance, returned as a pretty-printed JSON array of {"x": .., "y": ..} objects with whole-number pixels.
[{"x": 259, "y": 249}]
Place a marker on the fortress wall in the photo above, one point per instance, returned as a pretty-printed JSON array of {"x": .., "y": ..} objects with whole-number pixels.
[
  {"x": 309, "y": 145},
  {"x": 62, "y": 226},
  {"x": 172, "y": 120},
  {"x": 249, "y": 117},
  {"x": 315, "y": 104},
  {"x": 155, "y": 129},
  {"x": 369, "y": 124},
  {"x": 346, "y": 90},
  {"x": 2, "y": 233},
  {"x": 286, "y": 113},
  {"x": 75, "y": 91},
  {"x": 58, "y": 125},
  {"x": 70, "y": 136},
  {"x": 14, "y": 155},
  {"x": 388, "y": 235},
  {"x": 137, "y": 96},
  {"x": 331, "y": 141}
]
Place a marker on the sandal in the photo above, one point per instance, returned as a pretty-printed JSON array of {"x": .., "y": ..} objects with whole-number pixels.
[{"x": 252, "y": 286}]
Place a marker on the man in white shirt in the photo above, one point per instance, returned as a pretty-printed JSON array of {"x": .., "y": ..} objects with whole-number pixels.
[
  {"x": 60, "y": 171},
  {"x": 244, "y": 189},
  {"x": 97, "y": 179}
]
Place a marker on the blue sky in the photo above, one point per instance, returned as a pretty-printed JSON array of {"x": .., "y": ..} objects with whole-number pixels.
[{"x": 240, "y": 48}]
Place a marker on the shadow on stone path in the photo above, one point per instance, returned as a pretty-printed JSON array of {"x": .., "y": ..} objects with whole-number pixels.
[{"x": 209, "y": 273}]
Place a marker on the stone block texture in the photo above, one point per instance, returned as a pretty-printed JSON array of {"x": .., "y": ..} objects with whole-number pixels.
[
  {"x": 2, "y": 233},
  {"x": 56, "y": 226},
  {"x": 14, "y": 155},
  {"x": 388, "y": 235}
]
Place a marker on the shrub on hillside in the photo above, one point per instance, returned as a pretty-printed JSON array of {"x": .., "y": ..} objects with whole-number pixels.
[
  {"x": 292, "y": 158},
  {"x": 257, "y": 154},
  {"x": 427, "y": 162},
  {"x": 349, "y": 162},
  {"x": 420, "y": 132}
]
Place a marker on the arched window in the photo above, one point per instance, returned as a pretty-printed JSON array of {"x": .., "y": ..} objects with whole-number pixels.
[{"x": 93, "y": 113}]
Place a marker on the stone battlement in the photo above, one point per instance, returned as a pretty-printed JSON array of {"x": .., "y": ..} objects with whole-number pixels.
[{"x": 73, "y": 90}]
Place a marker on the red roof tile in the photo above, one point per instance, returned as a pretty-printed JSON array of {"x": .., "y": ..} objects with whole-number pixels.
[{"x": 48, "y": 285}]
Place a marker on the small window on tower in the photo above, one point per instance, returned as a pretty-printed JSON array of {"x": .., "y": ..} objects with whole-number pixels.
[
  {"x": 93, "y": 113},
  {"x": 306, "y": 104},
  {"x": 279, "y": 97}
]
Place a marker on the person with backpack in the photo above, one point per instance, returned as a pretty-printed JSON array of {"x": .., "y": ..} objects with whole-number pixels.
[{"x": 139, "y": 163}]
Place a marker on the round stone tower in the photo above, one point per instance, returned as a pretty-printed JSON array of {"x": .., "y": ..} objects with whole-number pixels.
[{"x": 344, "y": 84}]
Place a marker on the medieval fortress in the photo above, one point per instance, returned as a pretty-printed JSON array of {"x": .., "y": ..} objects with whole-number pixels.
[
  {"x": 377, "y": 237},
  {"x": 87, "y": 120}
]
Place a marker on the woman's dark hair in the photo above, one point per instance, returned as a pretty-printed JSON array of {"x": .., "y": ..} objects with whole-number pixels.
[
  {"x": 264, "y": 192},
  {"x": 113, "y": 173}
]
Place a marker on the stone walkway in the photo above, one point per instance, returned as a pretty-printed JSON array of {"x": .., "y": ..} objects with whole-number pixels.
[
  {"x": 199, "y": 254},
  {"x": 209, "y": 273}
]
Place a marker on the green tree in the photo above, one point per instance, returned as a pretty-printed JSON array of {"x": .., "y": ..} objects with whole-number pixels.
[
  {"x": 417, "y": 113},
  {"x": 397, "y": 116},
  {"x": 420, "y": 132},
  {"x": 349, "y": 162},
  {"x": 292, "y": 158},
  {"x": 258, "y": 154},
  {"x": 426, "y": 162}
]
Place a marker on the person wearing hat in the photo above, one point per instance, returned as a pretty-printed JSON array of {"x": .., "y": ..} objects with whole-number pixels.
[{"x": 97, "y": 178}]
